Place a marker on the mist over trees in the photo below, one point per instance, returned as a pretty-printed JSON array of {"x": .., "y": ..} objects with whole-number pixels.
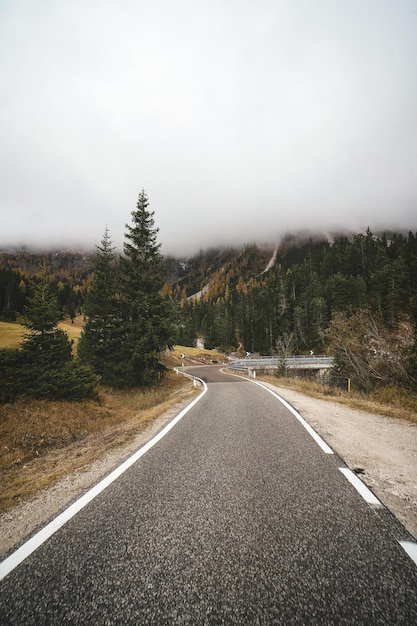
[
  {"x": 354, "y": 297},
  {"x": 312, "y": 290}
]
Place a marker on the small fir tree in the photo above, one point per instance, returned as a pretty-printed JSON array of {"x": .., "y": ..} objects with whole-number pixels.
[
  {"x": 45, "y": 346},
  {"x": 41, "y": 312},
  {"x": 102, "y": 335},
  {"x": 47, "y": 369}
]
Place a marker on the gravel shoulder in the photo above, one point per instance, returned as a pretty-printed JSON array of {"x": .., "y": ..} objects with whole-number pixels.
[{"x": 384, "y": 448}]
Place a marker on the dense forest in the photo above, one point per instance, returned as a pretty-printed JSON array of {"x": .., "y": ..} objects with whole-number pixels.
[
  {"x": 354, "y": 297},
  {"x": 252, "y": 297},
  {"x": 310, "y": 293}
]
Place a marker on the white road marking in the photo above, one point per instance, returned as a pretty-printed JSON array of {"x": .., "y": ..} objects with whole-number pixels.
[
  {"x": 360, "y": 487},
  {"x": 12, "y": 561},
  {"x": 323, "y": 445},
  {"x": 411, "y": 548}
]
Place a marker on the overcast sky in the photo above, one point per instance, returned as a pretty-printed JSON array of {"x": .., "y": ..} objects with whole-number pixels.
[{"x": 241, "y": 119}]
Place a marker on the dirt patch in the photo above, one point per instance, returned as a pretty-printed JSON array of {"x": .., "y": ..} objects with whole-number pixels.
[{"x": 385, "y": 448}]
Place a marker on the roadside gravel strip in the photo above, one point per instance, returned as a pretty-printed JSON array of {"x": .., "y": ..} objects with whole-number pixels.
[
  {"x": 409, "y": 546},
  {"x": 382, "y": 450}
]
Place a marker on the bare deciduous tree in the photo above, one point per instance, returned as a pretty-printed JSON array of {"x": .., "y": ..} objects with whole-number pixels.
[{"x": 366, "y": 351}]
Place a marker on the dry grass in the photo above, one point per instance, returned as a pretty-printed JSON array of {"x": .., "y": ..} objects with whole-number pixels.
[
  {"x": 11, "y": 334},
  {"x": 391, "y": 401},
  {"x": 198, "y": 355},
  {"x": 73, "y": 329},
  {"x": 42, "y": 441}
]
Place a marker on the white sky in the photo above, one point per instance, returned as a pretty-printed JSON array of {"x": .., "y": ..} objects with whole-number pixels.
[{"x": 241, "y": 119}]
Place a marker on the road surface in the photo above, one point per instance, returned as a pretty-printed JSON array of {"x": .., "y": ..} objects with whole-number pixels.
[{"x": 236, "y": 516}]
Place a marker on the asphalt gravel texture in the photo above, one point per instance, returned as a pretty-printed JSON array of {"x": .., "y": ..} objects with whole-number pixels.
[{"x": 235, "y": 517}]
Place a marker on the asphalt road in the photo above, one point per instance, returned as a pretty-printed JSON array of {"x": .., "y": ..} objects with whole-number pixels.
[{"x": 236, "y": 516}]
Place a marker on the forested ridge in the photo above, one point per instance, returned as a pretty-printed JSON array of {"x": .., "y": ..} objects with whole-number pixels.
[
  {"x": 328, "y": 294},
  {"x": 236, "y": 301},
  {"x": 70, "y": 275}
]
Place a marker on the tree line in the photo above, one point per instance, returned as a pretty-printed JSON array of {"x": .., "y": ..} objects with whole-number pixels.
[{"x": 70, "y": 274}]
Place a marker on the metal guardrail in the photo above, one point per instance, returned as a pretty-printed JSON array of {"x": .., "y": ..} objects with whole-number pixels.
[
  {"x": 195, "y": 380},
  {"x": 291, "y": 362}
]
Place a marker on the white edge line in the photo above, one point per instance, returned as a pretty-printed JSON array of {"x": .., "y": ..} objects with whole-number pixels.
[
  {"x": 323, "y": 445},
  {"x": 411, "y": 548},
  {"x": 17, "y": 557},
  {"x": 360, "y": 487}
]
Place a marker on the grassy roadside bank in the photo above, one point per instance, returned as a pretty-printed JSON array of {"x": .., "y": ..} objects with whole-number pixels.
[
  {"x": 390, "y": 401},
  {"x": 42, "y": 441}
]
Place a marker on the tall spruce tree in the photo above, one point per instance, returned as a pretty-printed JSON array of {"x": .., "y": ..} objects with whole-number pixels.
[
  {"x": 147, "y": 315},
  {"x": 102, "y": 336}
]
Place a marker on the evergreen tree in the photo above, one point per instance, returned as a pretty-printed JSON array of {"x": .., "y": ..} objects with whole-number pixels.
[
  {"x": 11, "y": 383},
  {"x": 42, "y": 310},
  {"x": 147, "y": 321},
  {"x": 187, "y": 326},
  {"x": 46, "y": 367},
  {"x": 102, "y": 335},
  {"x": 45, "y": 345}
]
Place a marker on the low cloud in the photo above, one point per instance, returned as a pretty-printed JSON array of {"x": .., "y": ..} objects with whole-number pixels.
[{"x": 242, "y": 122}]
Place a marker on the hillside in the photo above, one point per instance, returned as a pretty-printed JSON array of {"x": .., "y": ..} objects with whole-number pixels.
[
  {"x": 211, "y": 269},
  {"x": 258, "y": 298},
  {"x": 254, "y": 296}
]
